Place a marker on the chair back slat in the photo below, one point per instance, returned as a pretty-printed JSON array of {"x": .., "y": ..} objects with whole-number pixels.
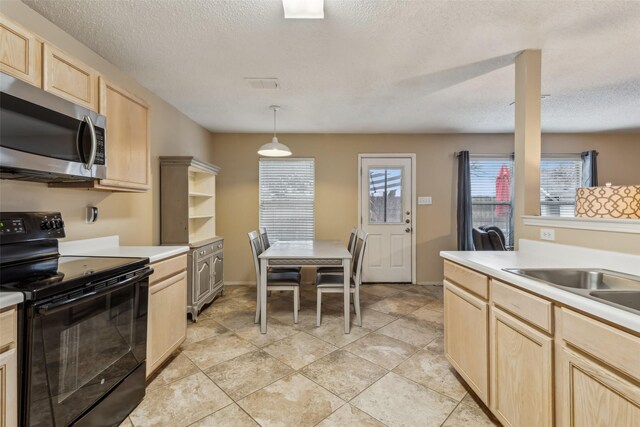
[
  {"x": 358, "y": 259},
  {"x": 352, "y": 240},
  {"x": 256, "y": 250},
  {"x": 265, "y": 238},
  {"x": 356, "y": 255}
]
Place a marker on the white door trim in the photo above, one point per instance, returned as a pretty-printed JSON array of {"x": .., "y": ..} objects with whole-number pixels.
[{"x": 414, "y": 199}]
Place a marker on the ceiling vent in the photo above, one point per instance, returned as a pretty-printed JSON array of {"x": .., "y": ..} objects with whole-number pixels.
[{"x": 262, "y": 83}]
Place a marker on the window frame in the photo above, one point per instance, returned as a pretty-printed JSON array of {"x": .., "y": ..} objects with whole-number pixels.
[{"x": 275, "y": 232}]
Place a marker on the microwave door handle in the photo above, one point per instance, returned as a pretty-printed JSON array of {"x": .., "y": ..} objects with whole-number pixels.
[{"x": 94, "y": 143}]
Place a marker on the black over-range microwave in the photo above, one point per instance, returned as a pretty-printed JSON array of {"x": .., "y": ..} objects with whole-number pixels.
[{"x": 46, "y": 138}]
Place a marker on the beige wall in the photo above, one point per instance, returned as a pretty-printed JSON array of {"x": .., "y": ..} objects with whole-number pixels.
[
  {"x": 134, "y": 217},
  {"x": 336, "y": 183}
]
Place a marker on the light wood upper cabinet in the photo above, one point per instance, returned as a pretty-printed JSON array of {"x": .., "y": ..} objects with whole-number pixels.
[
  {"x": 127, "y": 139},
  {"x": 20, "y": 53},
  {"x": 466, "y": 333},
  {"x": 69, "y": 78},
  {"x": 521, "y": 372}
]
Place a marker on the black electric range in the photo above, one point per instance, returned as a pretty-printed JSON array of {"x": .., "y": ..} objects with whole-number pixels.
[{"x": 82, "y": 327}]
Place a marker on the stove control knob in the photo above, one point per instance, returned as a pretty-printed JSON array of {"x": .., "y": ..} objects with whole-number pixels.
[
  {"x": 57, "y": 223},
  {"x": 46, "y": 225}
]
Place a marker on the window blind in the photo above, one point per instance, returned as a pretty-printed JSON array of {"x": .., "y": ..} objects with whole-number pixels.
[
  {"x": 492, "y": 192},
  {"x": 559, "y": 179},
  {"x": 287, "y": 194}
]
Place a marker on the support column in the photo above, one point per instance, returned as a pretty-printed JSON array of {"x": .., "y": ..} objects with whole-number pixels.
[{"x": 526, "y": 195}]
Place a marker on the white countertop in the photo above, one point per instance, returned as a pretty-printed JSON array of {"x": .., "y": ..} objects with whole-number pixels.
[
  {"x": 534, "y": 254},
  {"x": 110, "y": 246},
  {"x": 8, "y": 299}
]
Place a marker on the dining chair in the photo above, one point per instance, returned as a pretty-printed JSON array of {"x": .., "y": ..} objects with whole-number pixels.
[
  {"x": 276, "y": 281},
  {"x": 334, "y": 283},
  {"x": 351, "y": 246},
  {"x": 264, "y": 238}
]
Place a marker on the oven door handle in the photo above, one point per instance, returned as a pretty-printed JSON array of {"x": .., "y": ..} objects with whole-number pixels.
[{"x": 51, "y": 308}]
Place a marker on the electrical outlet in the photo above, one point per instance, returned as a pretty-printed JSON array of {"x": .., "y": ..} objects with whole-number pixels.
[
  {"x": 425, "y": 200},
  {"x": 547, "y": 234}
]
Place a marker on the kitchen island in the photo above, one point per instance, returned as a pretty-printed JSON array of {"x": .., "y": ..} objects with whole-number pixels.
[{"x": 534, "y": 353}]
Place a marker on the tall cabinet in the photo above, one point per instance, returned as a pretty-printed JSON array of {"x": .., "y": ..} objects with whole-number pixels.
[{"x": 187, "y": 216}]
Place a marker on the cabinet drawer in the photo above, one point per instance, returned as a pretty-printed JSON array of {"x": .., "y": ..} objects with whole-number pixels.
[
  {"x": 612, "y": 346},
  {"x": 471, "y": 280},
  {"x": 524, "y": 305},
  {"x": 168, "y": 267},
  {"x": 8, "y": 327}
]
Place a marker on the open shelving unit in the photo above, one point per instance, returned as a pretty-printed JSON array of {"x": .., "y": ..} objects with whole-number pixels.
[
  {"x": 188, "y": 217},
  {"x": 188, "y": 200}
]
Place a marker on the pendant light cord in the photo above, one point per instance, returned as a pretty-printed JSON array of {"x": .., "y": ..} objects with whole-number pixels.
[{"x": 275, "y": 112}]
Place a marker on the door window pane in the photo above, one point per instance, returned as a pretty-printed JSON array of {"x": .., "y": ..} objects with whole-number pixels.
[{"x": 385, "y": 195}]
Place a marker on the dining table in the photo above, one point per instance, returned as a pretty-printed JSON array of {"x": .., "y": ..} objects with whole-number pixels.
[{"x": 305, "y": 253}]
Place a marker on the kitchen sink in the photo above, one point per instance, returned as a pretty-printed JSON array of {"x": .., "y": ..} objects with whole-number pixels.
[
  {"x": 610, "y": 287},
  {"x": 581, "y": 278},
  {"x": 630, "y": 299}
]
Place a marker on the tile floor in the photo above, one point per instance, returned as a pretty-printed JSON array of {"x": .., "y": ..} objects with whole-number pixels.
[{"x": 391, "y": 371}]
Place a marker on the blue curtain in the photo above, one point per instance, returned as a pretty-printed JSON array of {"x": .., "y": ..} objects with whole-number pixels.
[
  {"x": 465, "y": 237},
  {"x": 589, "y": 168}
]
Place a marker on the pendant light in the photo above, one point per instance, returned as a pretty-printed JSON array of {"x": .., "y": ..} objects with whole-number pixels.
[{"x": 274, "y": 148}]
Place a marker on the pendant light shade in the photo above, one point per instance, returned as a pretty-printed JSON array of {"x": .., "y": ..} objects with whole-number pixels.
[{"x": 274, "y": 148}]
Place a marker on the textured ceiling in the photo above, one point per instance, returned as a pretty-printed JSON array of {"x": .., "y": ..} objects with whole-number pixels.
[{"x": 371, "y": 66}]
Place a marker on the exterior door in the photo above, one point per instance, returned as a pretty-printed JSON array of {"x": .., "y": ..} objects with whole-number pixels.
[{"x": 386, "y": 213}]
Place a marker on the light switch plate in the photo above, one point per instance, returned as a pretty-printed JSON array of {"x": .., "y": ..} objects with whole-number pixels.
[
  {"x": 547, "y": 234},
  {"x": 425, "y": 200}
]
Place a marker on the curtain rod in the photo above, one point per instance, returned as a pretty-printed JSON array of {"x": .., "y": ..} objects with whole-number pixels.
[
  {"x": 487, "y": 155},
  {"x": 498, "y": 155}
]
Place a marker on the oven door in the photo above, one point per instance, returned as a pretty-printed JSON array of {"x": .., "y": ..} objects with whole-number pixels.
[{"x": 82, "y": 347}]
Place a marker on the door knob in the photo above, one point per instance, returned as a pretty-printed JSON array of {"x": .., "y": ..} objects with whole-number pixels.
[{"x": 408, "y": 230}]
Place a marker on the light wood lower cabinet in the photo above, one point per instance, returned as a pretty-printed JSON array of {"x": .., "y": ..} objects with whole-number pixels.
[
  {"x": 20, "y": 53},
  {"x": 598, "y": 373},
  {"x": 521, "y": 372},
  {"x": 167, "y": 321},
  {"x": 466, "y": 345},
  {"x": 548, "y": 364},
  {"x": 594, "y": 396},
  {"x": 8, "y": 368}
]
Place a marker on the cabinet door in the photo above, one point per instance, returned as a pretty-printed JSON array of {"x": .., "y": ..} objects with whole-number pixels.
[
  {"x": 9, "y": 388},
  {"x": 127, "y": 139},
  {"x": 20, "y": 53},
  {"x": 521, "y": 372},
  {"x": 69, "y": 78},
  {"x": 465, "y": 337},
  {"x": 167, "y": 324},
  {"x": 594, "y": 396},
  {"x": 203, "y": 282},
  {"x": 218, "y": 272}
]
